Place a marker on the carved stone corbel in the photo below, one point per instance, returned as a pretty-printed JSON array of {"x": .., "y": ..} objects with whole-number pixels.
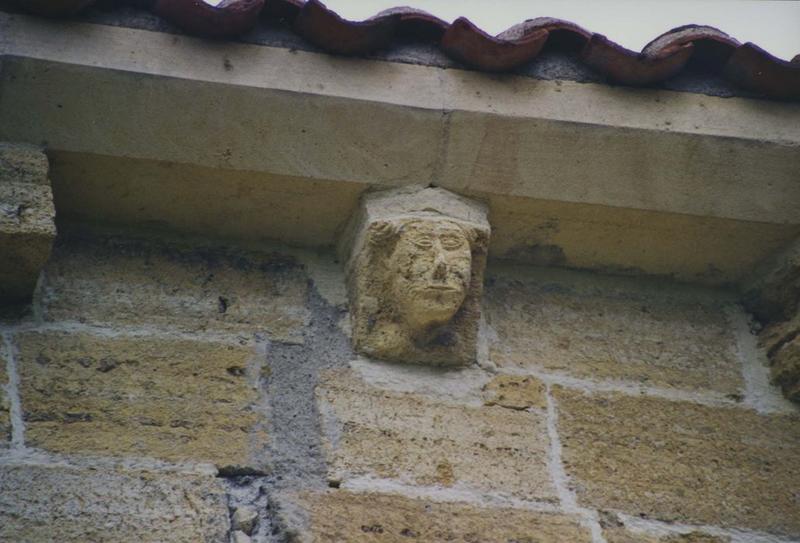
[{"x": 415, "y": 259}]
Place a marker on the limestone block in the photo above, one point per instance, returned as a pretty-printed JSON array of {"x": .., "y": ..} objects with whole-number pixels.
[
  {"x": 682, "y": 462},
  {"x": 415, "y": 259},
  {"x": 27, "y": 226},
  {"x": 75, "y": 505},
  {"x": 379, "y": 433},
  {"x": 344, "y": 516},
  {"x": 597, "y": 327},
  {"x": 176, "y": 400},
  {"x": 515, "y": 392},
  {"x": 112, "y": 281},
  {"x": 5, "y": 406}
]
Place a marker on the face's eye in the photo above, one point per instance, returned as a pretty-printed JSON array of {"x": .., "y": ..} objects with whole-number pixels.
[
  {"x": 452, "y": 242},
  {"x": 422, "y": 241}
]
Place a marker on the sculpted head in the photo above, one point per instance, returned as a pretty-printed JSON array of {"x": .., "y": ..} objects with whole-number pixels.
[
  {"x": 415, "y": 273},
  {"x": 430, "y": 272}
]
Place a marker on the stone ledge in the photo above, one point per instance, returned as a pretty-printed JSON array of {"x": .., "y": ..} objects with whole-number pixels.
[{"x": 635, "y": 180}]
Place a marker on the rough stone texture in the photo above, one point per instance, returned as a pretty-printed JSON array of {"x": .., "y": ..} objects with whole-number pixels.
[
  {"x": 415, "y": 260},
  {"x": 344, "y": 516},
  {"x": 610, "y": 328},
  {"x": 678, "y": 461},
  {"x": 772, "y": 292},
  {"x": 116, "y": 282},
  {"x": 176, "y": 400},
  {"x": 785, "y": 368},
  {"x": 781, "y": 341},
  {"x": 515, "y": 392},
  {"x": 621, "y": 535},
  {"x": 378, "y": 433},
  {"x": 5, "y": 407},
  {"x": 27, "y": 226},
  {"x": 72, "y": 505},
  {"x": 20, "y": 163}
]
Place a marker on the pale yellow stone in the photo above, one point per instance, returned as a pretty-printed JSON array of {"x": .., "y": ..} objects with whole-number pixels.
[
  {"x": 596, "y": 327},
  {"x": 415, "y": 260},
  {"x": 378, "y": 433},
  {"x": 132, "y": 283},
  {"x": 78, "y": 505},
  {"x": 515, "y": 392},
  {"x": 175, "y": 400},
  {"x": 682, "y": 462},
  {"x": 339, "y": 515}
]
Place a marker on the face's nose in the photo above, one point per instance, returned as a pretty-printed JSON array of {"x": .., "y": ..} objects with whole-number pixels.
[{"x": 439, "y": 265}]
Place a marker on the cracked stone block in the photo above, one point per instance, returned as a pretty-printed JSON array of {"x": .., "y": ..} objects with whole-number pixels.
[
  {"x": 378, "y": 433},
  {"x": 682, "y": 462},
  {"x": 171, "y": 399},
  {"x": 77, "y": 505},
  {"x": 369, "y": 517},
  {"x": 27, "y": 220},
  {"x": 605, "y": 328},
  {"x": 110, "y": 281}
]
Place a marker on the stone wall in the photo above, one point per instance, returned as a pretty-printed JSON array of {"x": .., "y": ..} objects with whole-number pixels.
[{"x": 175, "y": 391}]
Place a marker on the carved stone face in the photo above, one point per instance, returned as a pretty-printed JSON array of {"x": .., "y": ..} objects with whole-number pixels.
[
  {"x": 415, "y": 261},
  {"x": 430, "y": 266}
]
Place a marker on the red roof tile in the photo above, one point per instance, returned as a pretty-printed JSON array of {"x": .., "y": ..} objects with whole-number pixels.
[{"x": 746, "y": 65}]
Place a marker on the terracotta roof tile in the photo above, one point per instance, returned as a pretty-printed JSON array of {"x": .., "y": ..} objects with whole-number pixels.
[{"x": 701, "y": 47}]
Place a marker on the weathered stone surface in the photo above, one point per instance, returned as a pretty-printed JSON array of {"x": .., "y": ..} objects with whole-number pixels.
[
  {"x": 378, "y": 433},
  {"x": 22, "y": 163},
  {"x": 73, "y": 505},
  {"x": 244, "y": 519},
  {"x": 621, "y": 535},
  {"x": 772, "y": 292},
  {"x": 415, "y": 259},
  {"x": 176, "y": 400},
  {"x": 677, "y": 461},
  {"x": 781, "y": 340},
  {"x": 138, "y": 284},
  {"x": 612, "y": 328},
  {"x": 5, "y": 407},
  {"x": 515, "y": 392},
  {"x": 343, "y": 516},
  {"x": 27, "y": 226},
  {"x": 785, "y": 369}
]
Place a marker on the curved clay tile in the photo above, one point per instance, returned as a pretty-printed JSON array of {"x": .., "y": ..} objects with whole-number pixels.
[
  {"x": 712, "y": 47},
  {"x": 229, "y": 18},
  {"x": 325, "y": 29},
  {"x": 625, "y": 66},
  {"x": 699, "y": 47},
  {"x": 754, "y": 69},
  {"x": 416, "y": 24},
  {"x": 469, "y": 44}
]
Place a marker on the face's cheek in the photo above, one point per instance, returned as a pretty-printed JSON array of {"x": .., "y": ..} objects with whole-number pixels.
[{"x": 460, "y": 267}]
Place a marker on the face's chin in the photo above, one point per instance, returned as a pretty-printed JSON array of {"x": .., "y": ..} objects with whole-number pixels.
[{"x": 432, "y": 306}]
